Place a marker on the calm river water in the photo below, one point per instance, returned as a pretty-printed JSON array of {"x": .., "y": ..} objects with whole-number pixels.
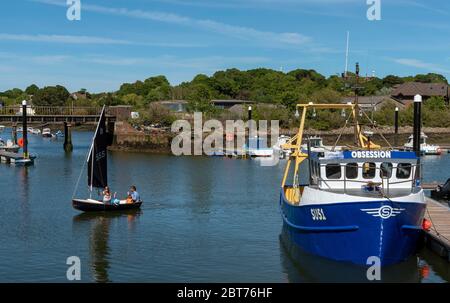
[{"x": 204, "y": 220}]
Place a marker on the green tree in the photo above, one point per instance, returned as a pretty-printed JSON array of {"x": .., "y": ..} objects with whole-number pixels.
[
  {"x": 435, "y": 103},
  {"x": 199, "y": 99},
  {"x": 32, "y": 89},
  {"x": 391, "y": 80},
  {"x": 51, "y": 96}
]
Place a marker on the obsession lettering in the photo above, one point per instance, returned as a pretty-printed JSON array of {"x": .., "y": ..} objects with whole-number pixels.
[{"x": 371, "y": 154}]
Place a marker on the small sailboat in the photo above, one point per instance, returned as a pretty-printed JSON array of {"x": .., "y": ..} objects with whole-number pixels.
[{"x": 98, "y": 174}]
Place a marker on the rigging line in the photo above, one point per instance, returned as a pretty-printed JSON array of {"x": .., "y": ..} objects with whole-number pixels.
[
  {"x": 375, "y": 128},
  {"x": 81, "y": 172},
  {"x": 79, "y": 178},
  {"x": 341, "y": 133}
]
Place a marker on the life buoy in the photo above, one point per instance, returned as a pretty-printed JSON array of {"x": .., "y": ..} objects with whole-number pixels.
[{"x": 20, "y": 142}]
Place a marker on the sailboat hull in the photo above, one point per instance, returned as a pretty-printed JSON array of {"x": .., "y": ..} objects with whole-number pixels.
[{"x": 93, "y": 205}]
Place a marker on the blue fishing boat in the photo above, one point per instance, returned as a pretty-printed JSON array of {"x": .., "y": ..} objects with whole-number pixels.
[{"x": 358, "y": 202}]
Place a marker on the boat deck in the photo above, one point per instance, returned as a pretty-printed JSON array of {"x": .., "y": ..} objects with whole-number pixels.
[
  {"x": 358, "y": 192},
  {"x": 438, "y": 237}
]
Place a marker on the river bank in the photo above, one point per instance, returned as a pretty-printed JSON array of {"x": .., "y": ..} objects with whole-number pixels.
[{"x": 158, "y": 141}]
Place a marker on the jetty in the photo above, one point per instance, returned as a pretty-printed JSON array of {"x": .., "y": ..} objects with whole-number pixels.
[
  {"x": 15, "y": 158},
  {"x": 437, "y": 239}
]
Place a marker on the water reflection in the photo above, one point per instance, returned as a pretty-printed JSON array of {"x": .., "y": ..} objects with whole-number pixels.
[
  {"x": 24, "y": 194},
  {"x": 99, "y": 234},
  {"x": 303, "y": 267}
]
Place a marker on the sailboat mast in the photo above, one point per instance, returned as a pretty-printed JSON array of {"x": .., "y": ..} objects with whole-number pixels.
[{"x": 92, "y": 169}]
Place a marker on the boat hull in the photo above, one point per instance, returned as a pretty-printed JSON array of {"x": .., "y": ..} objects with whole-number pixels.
[
  {"x": 353, "y": 231},
  {"x": 88, "y": 206}
]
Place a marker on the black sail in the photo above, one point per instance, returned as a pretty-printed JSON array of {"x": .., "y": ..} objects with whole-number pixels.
[{"x": 98, "y": 161}]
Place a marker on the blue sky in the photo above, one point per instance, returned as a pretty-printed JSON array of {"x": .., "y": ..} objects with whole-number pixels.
[{"x": 120, "y": 41}]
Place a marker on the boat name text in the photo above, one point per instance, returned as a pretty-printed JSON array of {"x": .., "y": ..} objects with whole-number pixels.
[{"x": 371, "y": 154}]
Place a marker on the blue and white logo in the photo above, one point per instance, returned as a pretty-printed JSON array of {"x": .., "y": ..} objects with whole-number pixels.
[{"x": 385, "y": 212}]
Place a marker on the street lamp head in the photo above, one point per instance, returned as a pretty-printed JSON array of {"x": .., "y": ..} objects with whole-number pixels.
[
  {"x": 418, "y": 98},
  {"x": 249, "y": 108},
  {"x": 396, "y": 109},
  {"x": 24, "y": 102}
]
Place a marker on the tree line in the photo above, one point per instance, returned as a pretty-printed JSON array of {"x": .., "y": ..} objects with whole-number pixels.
[{"x": 261, "y": 85}]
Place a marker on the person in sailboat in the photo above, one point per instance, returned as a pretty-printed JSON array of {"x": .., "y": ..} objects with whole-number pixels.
[
  {"x": 107, "y": 195},
  {"x": 134, "y": 194}
]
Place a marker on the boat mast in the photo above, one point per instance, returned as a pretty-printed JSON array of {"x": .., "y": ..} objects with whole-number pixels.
[{"x": 92, "y": 169}]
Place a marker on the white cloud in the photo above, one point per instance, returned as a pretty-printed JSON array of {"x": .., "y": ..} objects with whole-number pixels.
[
  {"x": 210, "y": 63},
  {"x": 70, "y": 39},
  {"x": 431, "y": 67},
  {"x": 61, "y": 39},
  {"x": 270, "y": 38}
]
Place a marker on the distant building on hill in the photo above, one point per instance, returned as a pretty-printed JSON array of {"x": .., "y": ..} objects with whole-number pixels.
[
  {"x": 179, "y": 106},
  {"x": 405, "y": 92}
]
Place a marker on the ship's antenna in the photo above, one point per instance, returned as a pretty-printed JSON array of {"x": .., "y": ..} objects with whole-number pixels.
[{"x": 346, "y": 54}]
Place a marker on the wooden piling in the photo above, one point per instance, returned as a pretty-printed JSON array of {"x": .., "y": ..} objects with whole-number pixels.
[{"x": 68, "y": 146}]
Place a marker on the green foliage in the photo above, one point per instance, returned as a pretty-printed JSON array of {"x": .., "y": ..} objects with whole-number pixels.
[
  {"x": 430, "y": 78},
  {"x": 435, "y": 104},
  {"x": 32, "y": 89},
  {"x": 156, "y": 114},
  {"x": 199, "y": 99},
  {"x": 152, "y": 89},
  {"x": 108, "y": 99},
  {"x": 391, "y": 80},
  {"x": 280, "y": 91},
  {"x": 51, "y": 96}
]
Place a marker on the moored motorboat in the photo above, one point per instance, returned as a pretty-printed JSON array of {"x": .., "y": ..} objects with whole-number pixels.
[
  {"x": 257, "y": 147},
  {"x": 355, "y": 203},
  {"x": 47, "y": 133},
  {"x": 278, "y": 147},
  {"x": 9, "y": 146},
  {"x": 425, "y": 148}
]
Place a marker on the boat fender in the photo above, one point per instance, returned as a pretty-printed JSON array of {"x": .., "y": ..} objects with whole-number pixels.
[{"x": 426, "y": 224}]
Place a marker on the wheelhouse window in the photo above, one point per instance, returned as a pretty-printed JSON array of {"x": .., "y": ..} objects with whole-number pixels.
[
  {"x": 351, "y": 171},
  {"x": 369, "y": 170},
  {"x": 386, "y": 170},
  {"x": 333, "y": 171},
  {"x": 404, "y": 170}
]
